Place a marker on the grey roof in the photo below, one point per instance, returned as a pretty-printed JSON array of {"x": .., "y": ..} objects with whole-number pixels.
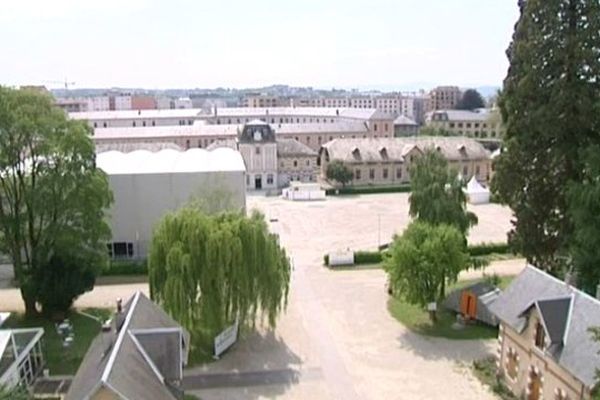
[
  {"x": 404, "y": 120},
  {"x": 128, "y": 147},
  {"x": 163, "y": 132},
  {"x": 322, "y": 127},
  {"x": 229, "y": 143},
  {"x": 292, "y": 147},
  {"x": 141, "y": 360},
  {"x": 372, "y": 149},
  {"x": 578, "y": 353},
  {"x": 486, "y": 294},
  {"x": 462, "y": 115}
]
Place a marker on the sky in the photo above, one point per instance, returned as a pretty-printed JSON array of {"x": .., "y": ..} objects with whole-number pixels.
[{"x": 157, "y": 44}]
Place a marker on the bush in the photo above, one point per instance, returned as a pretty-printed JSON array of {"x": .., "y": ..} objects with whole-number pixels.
[
  {"x": 326, "y": 259},
  {"x": 369, "y": 190},
  {"x": 126, "y": 267},
  {"x": 485, "y": 249},
  {"x": 367, "y": 257}
]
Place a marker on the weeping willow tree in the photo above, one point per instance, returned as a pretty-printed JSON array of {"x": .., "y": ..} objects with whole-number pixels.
[{"x": 209, "y": 270}]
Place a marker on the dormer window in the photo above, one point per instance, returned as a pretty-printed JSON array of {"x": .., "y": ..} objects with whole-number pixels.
[
  {"x": 540, "y": 336},
  {"x": 356, "y": 153},
  {"x": 383, "y": 153}
]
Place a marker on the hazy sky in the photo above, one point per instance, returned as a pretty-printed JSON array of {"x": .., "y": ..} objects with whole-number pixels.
[{"x": 249, "y": 43}]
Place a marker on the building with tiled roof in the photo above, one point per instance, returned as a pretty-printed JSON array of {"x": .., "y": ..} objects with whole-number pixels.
[
  {"x": 481, "y": 123},
  {"x": 386, "y": 161}
]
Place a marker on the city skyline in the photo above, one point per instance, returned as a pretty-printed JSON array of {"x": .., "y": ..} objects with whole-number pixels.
[{"x": 158, "y": 45}]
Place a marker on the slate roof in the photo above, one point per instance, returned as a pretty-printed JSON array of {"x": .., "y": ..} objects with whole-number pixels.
[
  {"x": 165, "y": 132},
  {"x": 142, "y": 360},
  {"x": 404, "y": 120},
  {"x": 292, "y": 147},
  {"x": 370, "y": 149},
  {"x": 563, "y": 308},
  {"x": 462, "y": 115},
  {"x": 321, "y": 127},
  {"x": 128, "y": 147}
]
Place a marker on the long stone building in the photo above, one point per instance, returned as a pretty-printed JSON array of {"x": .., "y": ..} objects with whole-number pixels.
[{"x": 387, "y": 161}]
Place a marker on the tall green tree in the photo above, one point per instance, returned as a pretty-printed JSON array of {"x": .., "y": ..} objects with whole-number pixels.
[
  {"x": 424, "y": 260},
  {"x": 437, "y": 195},
  {"x": 470, "y": 100},
  {"x": 52, "y": 196},
  {"x": 584, "y": 211},
  {"x": 339, "y": 172},
  {"x": 551, "y": 107},
  {"x": 209, "y": 270}
]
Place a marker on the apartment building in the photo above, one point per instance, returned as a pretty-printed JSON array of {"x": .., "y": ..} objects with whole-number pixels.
[
  {"x": 545, "y": 349},
  {"x": 310, "y": 126},
  {"x": 262, "y": 101},
  {"x": 480, "y": 123},
  {"x": 443, "y": 98},
  {"x": 387, "y": 161}
]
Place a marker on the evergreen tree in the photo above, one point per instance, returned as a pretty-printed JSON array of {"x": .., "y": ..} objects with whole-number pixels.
[
  {"x": 550, "y": 105},
  {"x": 584, "y": 210},
  {"x": 470, "y": 100},
  {"x": 209, "y": 270}
]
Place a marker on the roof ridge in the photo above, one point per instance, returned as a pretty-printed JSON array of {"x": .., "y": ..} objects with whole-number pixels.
[{"x": 563, "y": 283}]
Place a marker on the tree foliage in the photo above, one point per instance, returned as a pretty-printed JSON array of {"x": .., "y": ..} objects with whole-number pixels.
[
  {"x": 584, "y": 210},
  {"x": 424, "y": 260},
  {"x": 339, "y": 172},
  {"x": 551, "y": 108},
  {"x": 432, "y": 131},
  {"x": 207, "y": 270},
  {"x": 470, "y": 100},
  {"x": 437, "y": 195},
  {"x": 14, "y": 393},
  {"x": 52, "y": 196}
]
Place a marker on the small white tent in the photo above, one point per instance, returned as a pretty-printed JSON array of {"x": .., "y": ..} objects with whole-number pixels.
[{"x": 477, "y": 194}]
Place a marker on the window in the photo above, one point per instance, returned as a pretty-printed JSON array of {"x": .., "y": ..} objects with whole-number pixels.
[
  {"x": 95, "y": 124},
  {"x": 451, "y": 125},
  {"x": 375, "y": 127},
  {"x": 385, "y": 173},
  {"x": 540, "y": 336},
  {"x": 477, "y": 170},
  {"x": 372, "y": 173},
  {"x": 399, "y": 173},
  {"x": 143, "y": 123},
  {"x": 133, "y": 123},
  {"x": 199, "y": 143},
  {"x": 104, "y": 124},
  {"x": 269, "y": 179},
  {"x": 512, "y": 363},
  {"x": 295, "y": 163},
  {"x": 153, "y": 123},
  {"x": 386, "y": 127},
  {"x": 247, "y": 180},
  {"x": 357, "y": 174},
  {"x": 468, "y": 124},
  {"x": 122, "y": 249},
  {"x": 187, "y": 144},
  {"x": 257, "y": 150},
  {"x": 308, "y": 163},
  {"x": 465, "y": 170}
]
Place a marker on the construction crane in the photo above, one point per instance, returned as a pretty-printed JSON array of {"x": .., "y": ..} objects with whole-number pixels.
[{"x": 66, "y": 83}]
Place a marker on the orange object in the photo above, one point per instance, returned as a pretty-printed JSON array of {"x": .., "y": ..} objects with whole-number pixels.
[{"x": 468, "y": 305}]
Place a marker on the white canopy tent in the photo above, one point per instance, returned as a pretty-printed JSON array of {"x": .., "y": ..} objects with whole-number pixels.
[{"x": 476, "y": 193}]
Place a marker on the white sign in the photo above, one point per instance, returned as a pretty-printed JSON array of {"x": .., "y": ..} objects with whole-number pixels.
[
  {"x": 432, "y": 306},
  {"x": 341, "y": 258},
  {"x": 225, "y": 339}
]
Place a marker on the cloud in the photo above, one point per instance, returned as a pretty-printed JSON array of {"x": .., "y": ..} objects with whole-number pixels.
[{"x": 36, "y": 10}]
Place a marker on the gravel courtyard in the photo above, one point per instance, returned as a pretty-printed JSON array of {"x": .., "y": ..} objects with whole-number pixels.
[{"x": 337, "y": 340}]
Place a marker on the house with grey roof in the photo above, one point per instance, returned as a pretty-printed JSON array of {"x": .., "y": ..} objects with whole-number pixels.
[
  {"x": 387, "y": 161},
  {"x": 404, "y": 126},
  {"x": 545, "y": 348},
  {"x": 139, "y": 355}
]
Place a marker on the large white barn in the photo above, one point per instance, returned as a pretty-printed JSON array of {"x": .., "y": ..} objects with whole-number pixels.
[{"x": 147, "y": 185}]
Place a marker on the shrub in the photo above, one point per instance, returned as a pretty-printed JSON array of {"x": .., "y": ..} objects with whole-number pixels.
[
  {"x": 484, "y": 249},
  {"x": 126, "y": 267},
  {"x": 369, "y": 190},
  {"x": 326, "y": 259},
  {"x": 367, "y": 257}
]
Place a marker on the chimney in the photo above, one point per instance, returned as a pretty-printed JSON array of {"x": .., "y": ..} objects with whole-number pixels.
[{"x": 119, "y": 305}]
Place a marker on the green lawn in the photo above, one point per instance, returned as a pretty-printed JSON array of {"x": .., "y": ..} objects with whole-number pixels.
[
  {"x": 61, "y": 360},
  {"x": 417, "y": 319}
]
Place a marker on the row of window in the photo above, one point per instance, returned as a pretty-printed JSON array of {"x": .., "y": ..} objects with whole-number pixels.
[{"x": 384, "y": 174}]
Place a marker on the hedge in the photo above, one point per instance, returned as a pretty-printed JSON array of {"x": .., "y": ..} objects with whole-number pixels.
[
  {"x": 376, "y": 257},
  {"x": 126, "y": 267},
  {"x": 485, "y": 249},
  {"x": 368, "y": 190}
]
